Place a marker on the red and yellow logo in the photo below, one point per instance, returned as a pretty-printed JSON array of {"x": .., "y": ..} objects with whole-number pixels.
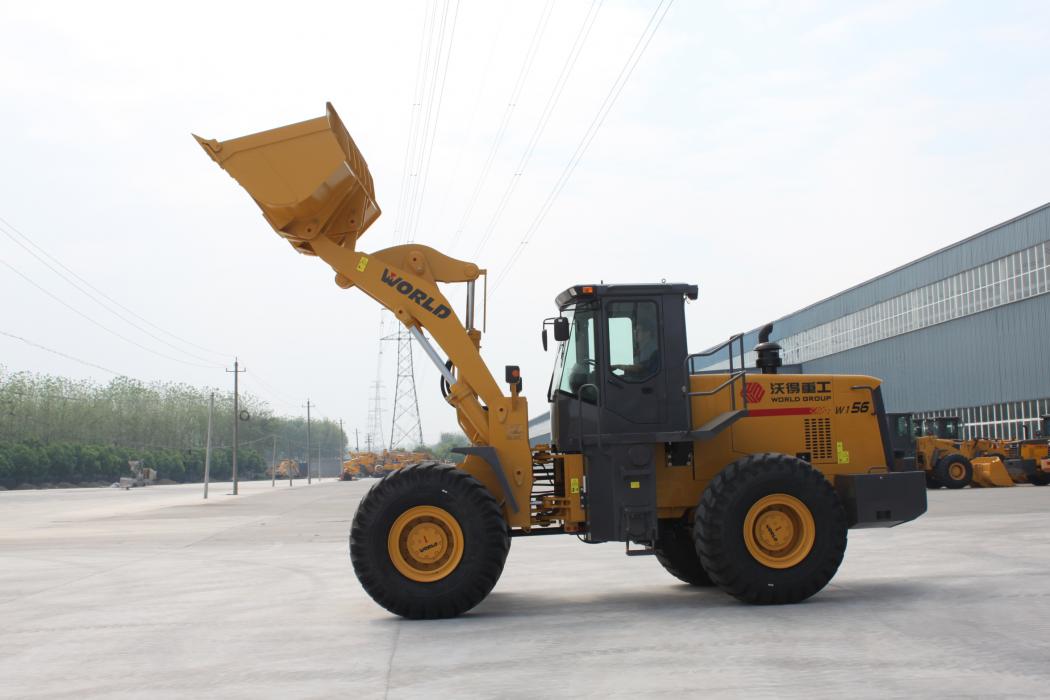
[{"x": 752, "y": 392}]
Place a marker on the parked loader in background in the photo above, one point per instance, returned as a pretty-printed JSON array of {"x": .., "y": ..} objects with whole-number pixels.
[
  {"x": 360, "y": 464},
  {"x": 363, "y": 464},
  {"x": 286, "y": 469},
  {"x": 745, "y": 481},
  {"x": 935, "y": 446},
  {"x": 397, "y": 459}
]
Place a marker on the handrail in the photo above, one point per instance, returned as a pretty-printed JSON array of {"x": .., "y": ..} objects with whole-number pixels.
[
  {"x": 732, "y": 378},
  {"x": 734, "y": 375},
  {"x": 712, "y": 351}
]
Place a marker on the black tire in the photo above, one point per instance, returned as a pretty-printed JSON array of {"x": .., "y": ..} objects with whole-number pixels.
[
  {"x": 676, "y": 552},
  {"x": 1039, "y": 478},
  {"x": 720, "y": 522},
  {"x": 486, "y": 541},
  {"x": 931, "y": 482},
  {"x": 947, "y": 464}
]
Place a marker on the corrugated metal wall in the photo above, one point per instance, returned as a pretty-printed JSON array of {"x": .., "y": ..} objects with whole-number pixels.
[
  {"x": 1009, "y": 237},
  {"x": 990, "y": 357}
]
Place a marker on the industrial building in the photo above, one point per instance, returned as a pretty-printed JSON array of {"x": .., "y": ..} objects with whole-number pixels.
[{"x": 958, "y": 332}]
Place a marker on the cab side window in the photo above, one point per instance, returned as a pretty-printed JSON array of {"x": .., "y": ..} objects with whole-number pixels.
[{"x": 634, "y": 347}]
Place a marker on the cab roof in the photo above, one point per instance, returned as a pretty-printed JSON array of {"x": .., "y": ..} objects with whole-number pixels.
[{"x": 580, "y": 292}]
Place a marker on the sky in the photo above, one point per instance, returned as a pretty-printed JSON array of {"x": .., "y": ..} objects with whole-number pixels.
[{"x": 773, "y": 153}]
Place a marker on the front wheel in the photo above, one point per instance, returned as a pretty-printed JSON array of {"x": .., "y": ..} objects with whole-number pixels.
[
  {"x": 954, "y": 471},
  {"x": 428, "y": 541},
  {"x": 770, "y": 529}
]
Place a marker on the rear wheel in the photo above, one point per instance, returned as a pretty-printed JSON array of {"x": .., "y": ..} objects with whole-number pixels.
[
  {"x": 770, "y": 529},
  {"x": 954, "y": 471},
  {"x": 676, "y": 552},
  {"x": 428, "y": 541},
  {"x": 1039, "y": 478}
]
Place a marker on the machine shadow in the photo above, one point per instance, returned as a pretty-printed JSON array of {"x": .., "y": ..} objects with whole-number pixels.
[{"x": 688, "y": 600}]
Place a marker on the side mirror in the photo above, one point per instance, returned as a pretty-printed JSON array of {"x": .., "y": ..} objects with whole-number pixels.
[
  {"x": 543, "y": 337},
  {"x": 561, "y": 329}
]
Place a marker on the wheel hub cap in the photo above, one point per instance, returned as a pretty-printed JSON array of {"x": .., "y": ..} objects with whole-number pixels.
[
  {"x": 425, "y": 543},
  {"x": 779, "y": 531}
]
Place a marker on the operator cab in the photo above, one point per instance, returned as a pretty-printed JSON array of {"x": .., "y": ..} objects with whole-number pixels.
[{"x": 617, "y": 391}]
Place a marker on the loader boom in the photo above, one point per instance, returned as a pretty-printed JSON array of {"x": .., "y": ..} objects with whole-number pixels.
[{"x": 315, "y": 190}]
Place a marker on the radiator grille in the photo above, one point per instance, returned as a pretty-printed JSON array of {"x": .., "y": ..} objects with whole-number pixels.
[{"x": 818, "y": 439}]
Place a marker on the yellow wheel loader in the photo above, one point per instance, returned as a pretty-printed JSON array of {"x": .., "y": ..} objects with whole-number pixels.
[
  {"x": 748, "y": 480},
  {"x": 286, "y": 469},
  {"x": 934, "y": 445},
  {"x": 359, "y": 465},
  {"x": 1024, "y": 461}
]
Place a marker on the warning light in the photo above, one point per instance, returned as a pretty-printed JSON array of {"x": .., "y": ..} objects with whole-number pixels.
[{"x": 587, "y": 290}]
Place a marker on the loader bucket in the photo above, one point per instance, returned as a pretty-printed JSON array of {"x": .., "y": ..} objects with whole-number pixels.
[
  {"x": 990, "y": 472},
  {"x": 309, "y": 179}
]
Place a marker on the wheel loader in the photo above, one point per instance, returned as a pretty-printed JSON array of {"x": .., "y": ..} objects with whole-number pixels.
[
  {"x": 745, "y": 478},
  {"x": 934, "y": 445},
  {"x": 359, "y": 465}
]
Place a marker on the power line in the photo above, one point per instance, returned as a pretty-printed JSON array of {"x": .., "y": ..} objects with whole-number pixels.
[
  {"x": 58, "y": 262},
  {"x": 541, "y": 125},
  {"x": 526, "y": 66},
  {"x": 414, "y": 221},
  {"x": 95, "y": 299},
  {"x": 60, "y": 353},
  {"x": 97, "y": 323},
  {"x": 483, "y": 83},
  {"x": 418, "y": 90},
  {"x": 599, "y": 118},
  {"x": 272, "y": 391}
]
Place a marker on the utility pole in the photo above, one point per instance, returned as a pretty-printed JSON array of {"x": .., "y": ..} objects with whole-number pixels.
[
  {"x": 236, "y": 419},
  {"x": 308, "y": 442},
  {"x": 273, "y": 464},
  {"x": 357, "y": 441},
  {"x": 207, "y": 449}
]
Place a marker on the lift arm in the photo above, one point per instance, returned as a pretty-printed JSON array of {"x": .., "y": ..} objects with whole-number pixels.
[{"x": 315, "y": 190}]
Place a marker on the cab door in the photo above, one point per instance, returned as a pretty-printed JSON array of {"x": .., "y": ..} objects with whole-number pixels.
[{"x": 633, "y": 370}]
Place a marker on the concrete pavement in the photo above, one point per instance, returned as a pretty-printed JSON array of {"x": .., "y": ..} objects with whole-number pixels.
[{"x": 156, "y": 593}]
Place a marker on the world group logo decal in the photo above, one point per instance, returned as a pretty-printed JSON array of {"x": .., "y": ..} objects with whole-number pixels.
[{"x": 752, "y": 392}]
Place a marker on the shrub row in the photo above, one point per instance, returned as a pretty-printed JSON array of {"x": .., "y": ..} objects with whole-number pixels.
[{"x": 34, "y": 463}]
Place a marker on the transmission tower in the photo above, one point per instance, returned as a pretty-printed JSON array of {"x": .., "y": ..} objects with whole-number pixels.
[
  {"x": 405, "y": 426},
  {"x": 374, "y": 434}
]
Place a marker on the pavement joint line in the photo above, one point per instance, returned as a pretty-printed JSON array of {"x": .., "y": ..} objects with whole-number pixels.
[{"x": 390, "y": 660}]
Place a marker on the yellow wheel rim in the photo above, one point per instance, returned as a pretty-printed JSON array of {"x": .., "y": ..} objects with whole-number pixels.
[
  {"x": 956, "y": 470},
  {"x": 779, "y": 531},
  {"x": 425, "y": 544}
]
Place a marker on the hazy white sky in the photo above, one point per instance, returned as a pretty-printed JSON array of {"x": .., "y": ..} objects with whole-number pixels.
[{"x": 774, "y": 153}]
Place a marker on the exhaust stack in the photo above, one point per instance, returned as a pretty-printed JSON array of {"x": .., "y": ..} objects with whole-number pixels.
[{"x": 768, "y": 353}]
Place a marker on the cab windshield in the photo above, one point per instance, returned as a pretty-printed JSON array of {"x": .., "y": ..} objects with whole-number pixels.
[{"x": 577, "y": 356}]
